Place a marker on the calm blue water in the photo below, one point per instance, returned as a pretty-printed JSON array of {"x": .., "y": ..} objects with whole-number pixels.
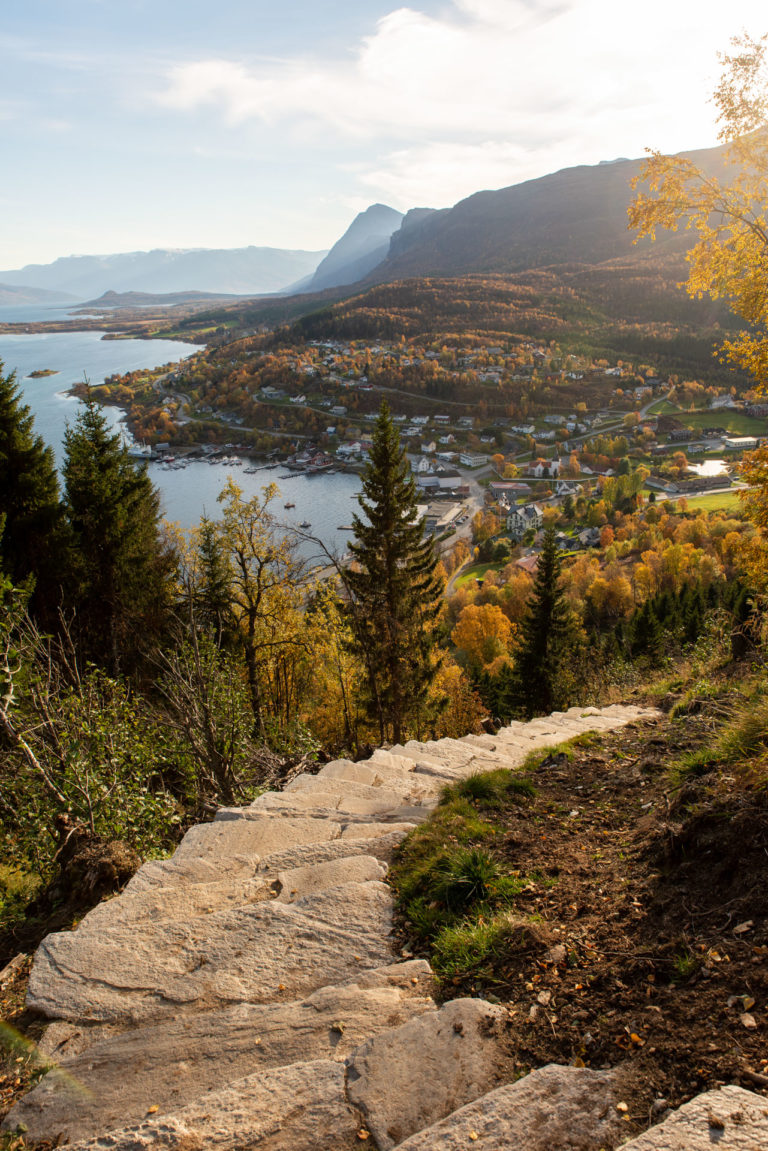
[{"x": 324, "y": 500}]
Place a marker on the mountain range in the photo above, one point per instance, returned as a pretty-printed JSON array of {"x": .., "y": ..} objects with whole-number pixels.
[
  {"x": 237, "y": 271},
  {"x": 577, "y": 216}
]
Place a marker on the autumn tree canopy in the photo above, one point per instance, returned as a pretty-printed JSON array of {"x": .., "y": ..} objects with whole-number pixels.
[{"x": 729, "y": 216}]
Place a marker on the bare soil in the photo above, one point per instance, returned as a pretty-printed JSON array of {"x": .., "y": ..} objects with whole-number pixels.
[{"x": 653, "y": 903}]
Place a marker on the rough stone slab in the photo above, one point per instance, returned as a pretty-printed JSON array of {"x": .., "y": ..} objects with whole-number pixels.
[
  {"x": 552, "y": 1109},
  {"x": 408, "y": 1078},
  {"x": 111, "y": 1082},
  {"x": 743, "y": 1115},
  {"x": 387, "y": 757},
  {"x": 300, "y": 881},
  {"x": 405, "y": 784},
  {"x": 356, "y": 799},
  {"x": 177, "y": 902},
  {"x": 259, "y": 954},
  {"x": 260, "y": 836},
  {"x": 189, "y": 870},
  {"x": 376, "y": 830},
  {"x": 301, "y": 1107},
  {"x": 368, "y": 842}
]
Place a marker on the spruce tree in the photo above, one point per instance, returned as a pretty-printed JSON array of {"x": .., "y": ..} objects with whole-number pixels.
[
  {"x": 122, "y": 566},
  {"x": 32, "y": 537},
  {"x": 536, "y": 686},
  {"x": 395, "y": 589}
]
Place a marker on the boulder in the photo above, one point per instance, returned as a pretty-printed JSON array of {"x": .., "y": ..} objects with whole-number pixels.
[
  {"x": 552, "y": 1109},
  {"x": 730, "y": 1119},
  {"x": 408, "y": 1078}
]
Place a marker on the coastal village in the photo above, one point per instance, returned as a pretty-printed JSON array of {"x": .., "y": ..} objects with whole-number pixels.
[{"x": 501, "y": 446}]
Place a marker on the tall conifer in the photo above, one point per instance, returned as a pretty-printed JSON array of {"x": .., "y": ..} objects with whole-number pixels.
[
  {"x": 395, "y": 589},
  {"x": 536, "y": 686},
  {"x": 122, "y": 565},
  {"x": 32, "y": 536}
]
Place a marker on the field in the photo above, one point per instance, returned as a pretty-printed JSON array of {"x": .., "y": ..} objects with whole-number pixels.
[
  {"x": 716, "y": 501},
  {"x": 736, "y": 423},
  {"x": 476, "y": 571}
]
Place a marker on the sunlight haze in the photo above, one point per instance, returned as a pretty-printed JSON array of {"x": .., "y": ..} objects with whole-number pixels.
[{"x": 135, "y": 125}]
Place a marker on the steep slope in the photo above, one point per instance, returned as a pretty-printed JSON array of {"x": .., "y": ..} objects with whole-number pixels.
[
  {"x": 232, "y": 270},
  {"x": 364, "y": 245},
  {"x": 575, "y": 216}
]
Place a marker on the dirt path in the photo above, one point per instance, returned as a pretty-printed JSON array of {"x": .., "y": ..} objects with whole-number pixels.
[{"x": 655, "y": 903}]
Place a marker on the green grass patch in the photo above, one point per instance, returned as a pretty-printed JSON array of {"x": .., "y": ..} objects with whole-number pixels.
[
  {"x": 736, "y": 423},
  {"x": 454, "y": 889},
  {"x": 741, "y": 745},
  {"x": 493, "y": 788},
  {"x": 716, "y": 501},
  {"x": 476, "y": 571}
]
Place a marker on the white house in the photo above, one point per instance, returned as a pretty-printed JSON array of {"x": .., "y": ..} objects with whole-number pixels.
[
  {"x": 472, "y": 460},
  {"x": 520, "y": 520}
]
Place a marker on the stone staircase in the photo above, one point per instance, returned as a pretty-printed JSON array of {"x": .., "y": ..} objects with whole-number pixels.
[{"x": 246, "y": 992}]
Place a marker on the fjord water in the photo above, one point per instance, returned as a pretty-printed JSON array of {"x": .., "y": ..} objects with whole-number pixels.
[{"x": 322, "y": 500}]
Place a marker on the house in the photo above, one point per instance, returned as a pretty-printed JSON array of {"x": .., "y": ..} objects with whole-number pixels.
[
  {"x": 563, "y": 488},
  {"x": 511, "y": 489},
  {"x": 740, "y": 443},
  {"x": 589, "y": 538},
  {"x": 528, "y": 564},
  {"x": 523, "y": 519},
  {"x": 347, "y": 451},
  {"x": 472, "y": 460},
  {"x": 544, "y": 468}
]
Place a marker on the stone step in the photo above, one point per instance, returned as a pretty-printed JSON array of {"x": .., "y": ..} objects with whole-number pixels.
[
  {"x": 552, "y": 1109},
  {"x": 410, "y": 1077},
  {"x": 300, "y": 1107},
  {"x": 344, "y": 799},
  {"x": 728, "y": 1118},
  {"x": 353, "y": 813},
  {"x": 297, "y": 882},
  {"x": 377, "y": 775},
  {"x": 138, "y": 972},
  {"x": 258, "y": 836},
  {"x": 237, "y": 871},
  {"x": 381, "y": 846},
  {"x": 176, "y": 1062}
]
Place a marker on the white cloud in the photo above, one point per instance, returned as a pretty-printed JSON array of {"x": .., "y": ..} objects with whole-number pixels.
[{"x": 489, "y": 92}]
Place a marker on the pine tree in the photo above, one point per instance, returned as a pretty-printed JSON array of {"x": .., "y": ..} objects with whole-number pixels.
[
  {"x": 536, "y": 686},
  {"x": 122, "y": 565},
  {"x": 395, "y": 589},
  {"x": 32, "y": 537}
]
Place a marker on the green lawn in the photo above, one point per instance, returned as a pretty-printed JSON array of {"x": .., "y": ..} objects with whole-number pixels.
[
  {"x": 476, "y": 571},
  {"x": 734, "y": 422},
  {"x": 716, "y": 501}
]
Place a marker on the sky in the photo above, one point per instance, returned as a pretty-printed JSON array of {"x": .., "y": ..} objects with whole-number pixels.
[{"x": 134, "y": 124}]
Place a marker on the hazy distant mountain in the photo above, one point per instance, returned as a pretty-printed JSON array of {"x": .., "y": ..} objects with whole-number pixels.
[
  {"x": 11, "y": 295},
  {"x": 364, "y": 245},
  {"x": 162, "y": 299},
  {"x": 578, "y": 215},
  {"x": 239, "y": 271}
]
